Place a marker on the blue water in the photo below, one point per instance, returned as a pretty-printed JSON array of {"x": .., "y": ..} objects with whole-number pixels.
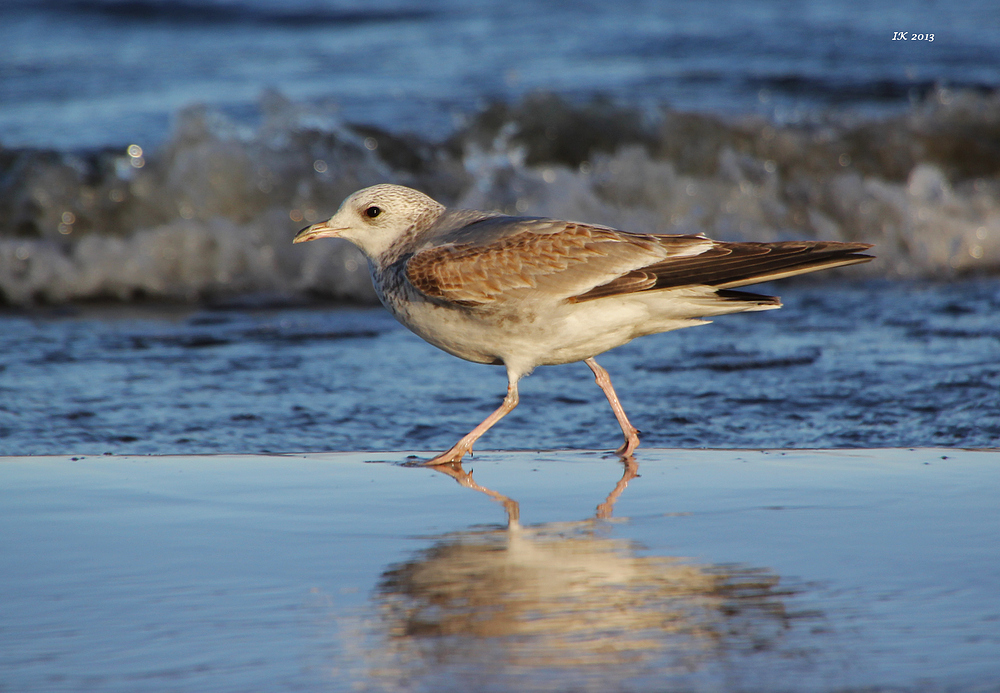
[
  {"x": 823, "y": 572},
  {"x": 105, "y": 72},
  {"x": 843, "y": 365},
  {"x": 211, "y": 213}
]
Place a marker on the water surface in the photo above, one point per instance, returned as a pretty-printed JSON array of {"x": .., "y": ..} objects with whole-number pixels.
[
  {"x": 714, "y": 570},
  {"x": 104, "y": 72},
  {"x": 870, "y": 364}
]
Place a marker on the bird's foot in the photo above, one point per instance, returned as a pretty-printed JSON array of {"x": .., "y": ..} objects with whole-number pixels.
[
  {"x": 629, "y": 446},
  {"x": 453, "y": 457}
]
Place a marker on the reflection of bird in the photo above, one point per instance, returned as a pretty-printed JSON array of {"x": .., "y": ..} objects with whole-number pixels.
[
  {"x": 527, "y": 292},
  {"x": 561, "y": 598},
  {"x": 564, "y": 602}
]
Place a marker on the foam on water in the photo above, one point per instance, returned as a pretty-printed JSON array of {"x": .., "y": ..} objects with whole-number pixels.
[{"x": 212, "y": 212}]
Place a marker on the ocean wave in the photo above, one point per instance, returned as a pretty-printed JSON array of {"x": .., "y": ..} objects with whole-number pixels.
[{"x": 211, "y": 213}]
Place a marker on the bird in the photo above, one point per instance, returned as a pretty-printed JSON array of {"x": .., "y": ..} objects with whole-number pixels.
[{"x": 524, "y": 292}]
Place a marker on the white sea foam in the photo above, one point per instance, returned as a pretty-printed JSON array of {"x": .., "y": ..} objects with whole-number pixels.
[
  {"x": 181, "y": 260},
  {"x": 213, "y": 211}
]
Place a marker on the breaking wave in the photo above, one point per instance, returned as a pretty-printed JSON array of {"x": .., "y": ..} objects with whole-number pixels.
[{"x": 211, "y": 213}]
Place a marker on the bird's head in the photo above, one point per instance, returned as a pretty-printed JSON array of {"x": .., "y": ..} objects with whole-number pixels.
[{"x": 374, "y": 218}]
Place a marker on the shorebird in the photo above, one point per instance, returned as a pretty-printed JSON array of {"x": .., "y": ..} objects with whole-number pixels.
[{"x": 524, "y": 292}]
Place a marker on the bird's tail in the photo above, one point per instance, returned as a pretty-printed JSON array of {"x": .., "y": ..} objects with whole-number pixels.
[{"x": 731, "y": 265}]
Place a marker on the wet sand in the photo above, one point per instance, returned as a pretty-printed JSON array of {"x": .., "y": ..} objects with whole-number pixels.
[{"x": 697, "y": 570}]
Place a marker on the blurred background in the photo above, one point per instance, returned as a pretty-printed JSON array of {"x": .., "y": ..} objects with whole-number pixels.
[
  {"x": 164, "y": 152},
  {"x": 168, "y": 148}
]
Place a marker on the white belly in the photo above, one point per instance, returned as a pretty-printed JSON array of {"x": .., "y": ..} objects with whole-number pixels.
[{"x": 537, "y": 334}]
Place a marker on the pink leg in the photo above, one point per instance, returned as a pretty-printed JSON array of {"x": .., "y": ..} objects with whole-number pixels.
[
  {"x": 630, "y": 431},
  {"x": 458, "y": 451}
]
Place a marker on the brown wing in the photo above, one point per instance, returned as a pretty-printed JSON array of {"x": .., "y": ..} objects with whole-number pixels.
[
  {"x": 730, "y": 265},
  {"x": 565, "y": 259}
]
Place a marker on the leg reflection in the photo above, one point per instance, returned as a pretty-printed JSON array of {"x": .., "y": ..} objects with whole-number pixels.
[
  {"x": 513, "y": 510},
  {"x": 464, "y": 478},
  {"x": 631, "y": 471}
]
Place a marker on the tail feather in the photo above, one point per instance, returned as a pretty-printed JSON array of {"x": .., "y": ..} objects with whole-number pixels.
[
  {"x": 754, "y": 301},
  {"x": 731, "y": 265}
]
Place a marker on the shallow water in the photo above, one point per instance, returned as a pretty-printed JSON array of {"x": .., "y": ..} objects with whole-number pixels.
[
  {"x": 712, "y": 570},
  {"x": 869, "y": 364}
]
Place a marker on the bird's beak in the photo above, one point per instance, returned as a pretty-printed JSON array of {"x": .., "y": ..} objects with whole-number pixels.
[{"x": 320, "y": 230}]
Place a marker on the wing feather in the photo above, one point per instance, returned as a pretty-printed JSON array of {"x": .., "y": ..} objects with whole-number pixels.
[
  {"x": 564, "y": 259},
  {"x": 509, "y": 256}
]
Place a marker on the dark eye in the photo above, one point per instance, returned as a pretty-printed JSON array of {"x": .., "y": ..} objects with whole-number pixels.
[{"x": 373, "y": 212}]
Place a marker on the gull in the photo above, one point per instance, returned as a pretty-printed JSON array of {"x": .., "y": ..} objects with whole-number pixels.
[{"x": 523, "y": 292}]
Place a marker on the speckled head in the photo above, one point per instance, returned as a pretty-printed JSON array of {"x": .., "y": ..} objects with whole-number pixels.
[{"x": 377, "y": 218}]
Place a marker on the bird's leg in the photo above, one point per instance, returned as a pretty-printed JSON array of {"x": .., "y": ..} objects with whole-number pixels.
[
  {"x": 630, "y": 431},
  {"x": 459, "y": 449}
]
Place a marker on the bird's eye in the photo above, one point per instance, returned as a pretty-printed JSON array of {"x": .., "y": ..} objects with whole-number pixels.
[{"x": 373, "y": 212}]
